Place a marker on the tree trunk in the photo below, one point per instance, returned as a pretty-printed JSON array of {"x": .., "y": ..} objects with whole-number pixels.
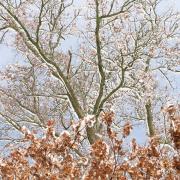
[{"x": 149, "y": 118}]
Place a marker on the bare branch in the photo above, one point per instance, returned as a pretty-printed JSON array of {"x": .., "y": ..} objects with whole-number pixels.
[
  {"x": 100, "y": 64},
  {"x": 126, "y": 5}
]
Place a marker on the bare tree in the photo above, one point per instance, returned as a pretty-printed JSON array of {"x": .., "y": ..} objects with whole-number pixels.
[{"x": 119, "y": 43}]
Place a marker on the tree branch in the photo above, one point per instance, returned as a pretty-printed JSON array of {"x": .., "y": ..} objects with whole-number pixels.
[
  {"x": 38, "y": 52},
  {"x": 100, "y": 64},
  {"x": 118, "y": 12}
]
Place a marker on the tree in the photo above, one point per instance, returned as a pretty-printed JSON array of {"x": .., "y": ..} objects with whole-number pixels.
[{"x": 111, "y": 62}]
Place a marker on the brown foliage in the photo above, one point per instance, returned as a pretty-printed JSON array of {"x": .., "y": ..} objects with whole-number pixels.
[{"x": 54, "y": 157}]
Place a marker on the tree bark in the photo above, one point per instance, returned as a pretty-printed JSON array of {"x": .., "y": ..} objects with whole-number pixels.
[{"x": 149, "y": 116}]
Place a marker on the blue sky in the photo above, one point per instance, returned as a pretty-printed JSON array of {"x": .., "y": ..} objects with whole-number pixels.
[{"x": 8, "y": 55}]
